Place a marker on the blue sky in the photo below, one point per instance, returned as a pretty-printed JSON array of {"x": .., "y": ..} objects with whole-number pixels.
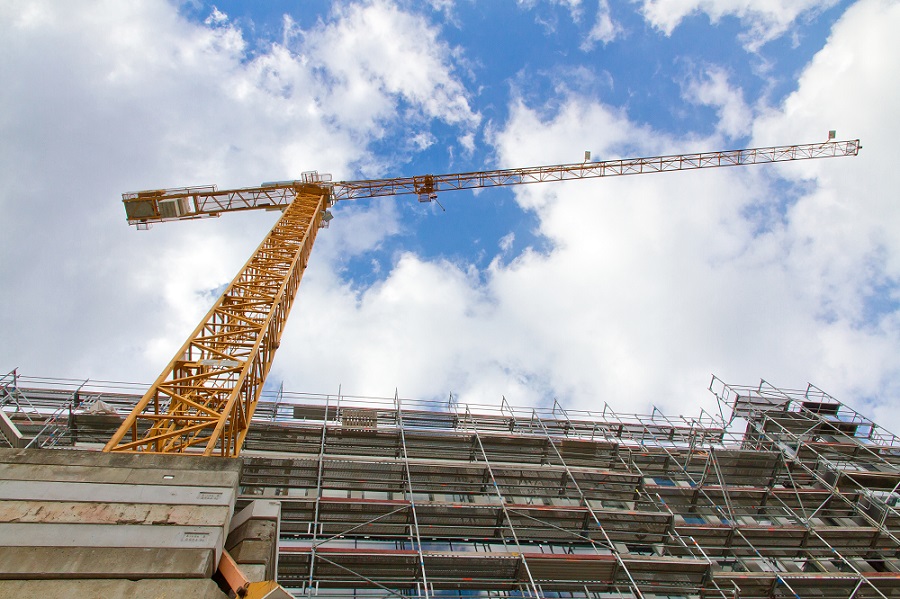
[{"x": 631, "y": 291}]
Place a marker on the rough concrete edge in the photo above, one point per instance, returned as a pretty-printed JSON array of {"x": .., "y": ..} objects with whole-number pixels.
[
  {"x": 157, "y": 588},
  {"x": 267, "y": 510},
  {"x": 119, "y": 460},
  {"x": 68, "y": 560},
  {"x": 102, "y": 474},
  {"x": 257, "y": 509}
]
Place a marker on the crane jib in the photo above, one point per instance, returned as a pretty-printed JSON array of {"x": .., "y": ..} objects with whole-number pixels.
[
  {"x": 146, "y": 207},
  {"x": 585, "y": 170}
]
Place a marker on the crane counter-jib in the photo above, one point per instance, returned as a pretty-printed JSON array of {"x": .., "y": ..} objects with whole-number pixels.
[{"x": 146, "y": 207}]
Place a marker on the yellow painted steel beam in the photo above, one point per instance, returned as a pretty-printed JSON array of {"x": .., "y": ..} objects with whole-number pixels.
[
  {"x": 143, "y": 208},
  {"x": 204, "y": 399}
]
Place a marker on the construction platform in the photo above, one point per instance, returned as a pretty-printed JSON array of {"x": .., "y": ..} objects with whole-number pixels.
[{"x": 781, "y": 493}]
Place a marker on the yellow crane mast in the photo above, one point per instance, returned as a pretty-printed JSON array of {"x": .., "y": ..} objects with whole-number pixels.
[{"x": 204, "y": 399}]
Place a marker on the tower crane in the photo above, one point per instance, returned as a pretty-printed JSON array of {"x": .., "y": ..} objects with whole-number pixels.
[{"x": 204, "y": 399}]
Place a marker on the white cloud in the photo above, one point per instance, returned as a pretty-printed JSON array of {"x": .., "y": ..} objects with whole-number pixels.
[
  {"x": 574, "y": 6},
  {"x": 605, "y": 29},
  {"x": 110, "y": 97},
  {"x": 443, "y": 6},
  {"x": 423, "y": 140},
  {"x": 764, "y": 20},
  {"x": 652, "y": 283},
  {"x": 581, "y": 322},
  {"x": 648, "y": 284},
  {"x": 467, "y": 142},
  {"x": 216, "y": 17},
  {"x": 841, "y": 237},
  {"x": 712, "y": 88},
  {"x": 373, "y": 62}
]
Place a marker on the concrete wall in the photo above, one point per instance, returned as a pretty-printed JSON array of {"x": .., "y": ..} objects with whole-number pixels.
[{"x": 70, "y": 520}]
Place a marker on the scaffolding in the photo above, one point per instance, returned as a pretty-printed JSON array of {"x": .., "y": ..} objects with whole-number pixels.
[{"x": 782, "y": 493}]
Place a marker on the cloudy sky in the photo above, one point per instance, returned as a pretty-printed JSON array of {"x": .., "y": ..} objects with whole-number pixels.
[{"x": 631, "y": 291}]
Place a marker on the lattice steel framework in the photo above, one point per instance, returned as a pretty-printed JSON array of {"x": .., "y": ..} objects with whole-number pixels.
[
  {"x": 206, "y": 396},
  {"x": 147, "y": 207}
]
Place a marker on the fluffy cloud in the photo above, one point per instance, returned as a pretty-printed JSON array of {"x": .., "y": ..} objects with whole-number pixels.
[
  {"x": 373, "y": 63},
  {"x": 638, "y": 295},
  {"x": 840, "y": 238},
  {"x": 605, "y": 29},
  {"x": 111, "y": 97},
  {"x": 715, "y": 270},
  {"x": 712, "y": 88},
  {"x": 650, "y": 284},
  {"x": 764, "y": 21},
  {"x": 641, "y": 287}
]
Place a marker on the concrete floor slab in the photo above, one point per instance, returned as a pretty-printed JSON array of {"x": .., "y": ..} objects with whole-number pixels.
[
  {"x": 111, "y": 535},
  {"x": 24, "y": 490},
  {"x": 68, "y": 512},
  {"x": 39, "y": 563},
  {"x": 144, "y": 476},
  {"x": 84, "y": 515},
  {"x": 119, "y": 460},
  {"x": 107, "y": 589}
]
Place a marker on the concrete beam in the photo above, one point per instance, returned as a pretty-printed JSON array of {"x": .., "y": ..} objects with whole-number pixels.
[
  {"x": 24, "y": 490},
  {"x": 121, "y": 589},
  {"x": 69, "y": 512},
  {"x": 119, "y": 460},
  {"x": 253, "y": 540},
  {"x": 111, "y": 535},
  {"x": 170, "y": 477},
  {"x": 47, "y": 563},
  {"x": 78, "y": 515},
  {"x": 258, "y": 509}
]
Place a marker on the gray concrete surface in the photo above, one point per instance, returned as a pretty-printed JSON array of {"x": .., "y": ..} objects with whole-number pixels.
[
  {"x": 41, "y": 563},
  {"x": 114, "y": 493},
  {"x": 110, "y": 589},
  {"x": 253, "y": 540},
  {"x": 70, "y": 512},
  {"x": 91, "y": 515},
  {"x": 170, "y": 477},
  {"x": 118, "y": 460},
  {"x": 111, "y": 535}
]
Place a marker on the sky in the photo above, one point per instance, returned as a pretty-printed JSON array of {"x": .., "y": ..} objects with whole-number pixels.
[{"x": 629, "y": 291}]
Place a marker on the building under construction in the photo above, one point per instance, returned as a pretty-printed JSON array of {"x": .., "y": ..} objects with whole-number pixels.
[{"x": 778, "y": 493}]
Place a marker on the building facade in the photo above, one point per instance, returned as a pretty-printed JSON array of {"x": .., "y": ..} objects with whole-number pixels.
[{"x": 781, "y": 493}]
